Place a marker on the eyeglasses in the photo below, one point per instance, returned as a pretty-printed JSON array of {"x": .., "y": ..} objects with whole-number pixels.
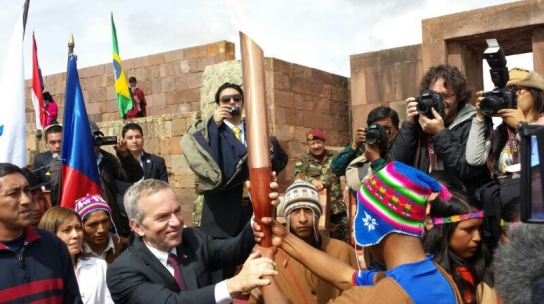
[
  {"x": 515, "y": 89},
  {"x": 227, "y": 98},
  {"x": 447, "y": 95}
]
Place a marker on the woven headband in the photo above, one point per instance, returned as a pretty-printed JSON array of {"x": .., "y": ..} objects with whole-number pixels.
[
  {"x": 508, "y": 224},
  {"x": 458, "y": 217}
]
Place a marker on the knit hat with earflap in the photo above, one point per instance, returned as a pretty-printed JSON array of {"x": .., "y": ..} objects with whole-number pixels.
[
  {"x": 394, "y": 200},
  {"x": 301, "y": 194},
  {"x": 525, "y": 78},
  {"x": 90, "y": 203}
]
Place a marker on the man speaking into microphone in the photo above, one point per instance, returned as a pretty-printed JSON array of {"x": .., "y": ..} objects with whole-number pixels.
[{"x": 42, "y": 161}]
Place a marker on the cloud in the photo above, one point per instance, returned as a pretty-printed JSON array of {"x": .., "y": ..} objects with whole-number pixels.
[{"x": 316, "y": 33}]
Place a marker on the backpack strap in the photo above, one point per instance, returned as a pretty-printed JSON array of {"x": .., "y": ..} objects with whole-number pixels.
[{"x": 458, "y": 297}]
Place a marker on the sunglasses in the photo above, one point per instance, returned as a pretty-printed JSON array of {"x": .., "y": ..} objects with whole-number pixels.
[
  {"x": 447, "y": 95},
  {"x": 515, "y": 89},
  {"x": 227, "y": 98}
]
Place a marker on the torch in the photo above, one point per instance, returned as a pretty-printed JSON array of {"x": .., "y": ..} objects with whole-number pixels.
[{"x": 258, "y": 142}]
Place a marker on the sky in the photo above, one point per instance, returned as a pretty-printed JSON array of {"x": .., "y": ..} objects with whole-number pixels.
[{"x": 316, "y": 33}]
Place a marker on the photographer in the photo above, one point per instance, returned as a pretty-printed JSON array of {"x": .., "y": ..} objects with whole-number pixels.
[
  {"x": 356, "y": 159},
  {"x": 439, "y": 143},
  {"x": 528, "y": 87}
]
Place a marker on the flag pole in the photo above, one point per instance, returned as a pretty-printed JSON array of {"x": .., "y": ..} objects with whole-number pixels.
[{"x": 25, "y": 15}]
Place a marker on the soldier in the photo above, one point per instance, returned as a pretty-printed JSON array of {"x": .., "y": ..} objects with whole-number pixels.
[{"x": 316, "y": 167}]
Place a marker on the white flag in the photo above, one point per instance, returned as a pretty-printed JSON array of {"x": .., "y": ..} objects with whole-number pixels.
[{"x": 12, "y": 103}]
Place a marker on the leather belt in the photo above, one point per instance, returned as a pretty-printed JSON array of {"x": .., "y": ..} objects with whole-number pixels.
[{"x": 246, "y": 202}]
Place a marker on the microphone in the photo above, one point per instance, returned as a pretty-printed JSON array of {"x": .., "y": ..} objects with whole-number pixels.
[
  {"x": 56, "y": 156},
  {"x": 519, "y": 265}
]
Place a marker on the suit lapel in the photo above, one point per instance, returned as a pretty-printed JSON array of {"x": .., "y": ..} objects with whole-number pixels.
[
  {"x": 147, "y": 165},
  {"x": 153, "y": 263},
  {"x": 187, "y": 267}
]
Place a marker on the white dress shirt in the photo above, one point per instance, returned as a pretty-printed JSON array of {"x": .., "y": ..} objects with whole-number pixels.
[
  {"x": 221, "y": 291},
  {"x": 242, "y": 127},
  {"x": 91, "y": 278}
]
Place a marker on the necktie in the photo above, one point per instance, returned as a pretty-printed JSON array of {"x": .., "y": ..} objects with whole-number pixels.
[
  {"x": 238, "y": 133},
  {"x": 178, "y": 276}
]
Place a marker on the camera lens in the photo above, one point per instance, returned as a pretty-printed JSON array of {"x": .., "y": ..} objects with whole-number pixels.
[
  {"x": 490, "y": 105},
  {"x": 423, "y": 107},
  {"x": 372, "y": 138}
]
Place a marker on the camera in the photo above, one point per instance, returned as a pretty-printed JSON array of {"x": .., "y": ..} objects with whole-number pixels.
[
  {"x": 100, "y": 140},
  {"x": 234, "y": 111},
  {"x": 429, "y": 100},
  {"x": 500, "y": 97},
  {"x": 375, "y": 134}
]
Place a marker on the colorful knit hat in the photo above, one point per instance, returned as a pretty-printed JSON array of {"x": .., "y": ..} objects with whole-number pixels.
[
  {"x": 301, "y": 194},
  {"x": 90, "y": 203},
  {"x": 394, "y": 200}
]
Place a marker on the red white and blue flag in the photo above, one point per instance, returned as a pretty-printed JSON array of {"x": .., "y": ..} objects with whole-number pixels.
[
  {"x": 78, "y": 160},
  {"x": 37, "y": 87}
]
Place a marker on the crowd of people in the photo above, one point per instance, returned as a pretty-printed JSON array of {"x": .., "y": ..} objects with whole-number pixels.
[{"x": 422, "y": 190}]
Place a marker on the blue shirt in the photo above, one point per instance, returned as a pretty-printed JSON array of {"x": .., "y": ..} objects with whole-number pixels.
[{"x": 422, "y": 281}]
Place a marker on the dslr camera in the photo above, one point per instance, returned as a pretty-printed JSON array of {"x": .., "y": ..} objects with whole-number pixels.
[
  {"x": 101, "y": 140},
  {"x": 427, "y": 101},
  {"x": 375, "y": 134},
  {"x": 234, "y": 111},
  {"x": 500, "y": 97}
]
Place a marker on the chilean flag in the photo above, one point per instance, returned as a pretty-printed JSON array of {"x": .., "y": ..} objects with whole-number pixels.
[
  {"x": 37, "y": 87},
  {"x": 78, "y": 159}
]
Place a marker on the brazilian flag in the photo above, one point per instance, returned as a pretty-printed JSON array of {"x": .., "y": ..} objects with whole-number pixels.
[{"x": 124, "y": 98}]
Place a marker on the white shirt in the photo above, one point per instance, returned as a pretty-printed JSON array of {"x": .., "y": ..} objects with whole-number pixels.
[
  {"x": 221, "y": 291},
  {"x": 242, "y": 128},
  {"x": 91, "y": 278},
  {"x": 102, "y": 256}
]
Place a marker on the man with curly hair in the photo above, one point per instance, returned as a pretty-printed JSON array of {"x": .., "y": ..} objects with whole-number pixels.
[{"x": 439, "y": 143}]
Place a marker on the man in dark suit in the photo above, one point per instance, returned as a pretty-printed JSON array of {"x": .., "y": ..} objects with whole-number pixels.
[
  {"x": 41, "y": 166},
  {"x": 153, "y": 165},
  {"x": 168, "y": 263}
]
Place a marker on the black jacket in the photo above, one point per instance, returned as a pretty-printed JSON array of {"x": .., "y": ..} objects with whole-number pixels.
[
  {"x": 41, "y": 166},
  {"x": 415, "y": 148},
  {"x": 111, "y": 168},
  {"x": 137, "y": 276}
]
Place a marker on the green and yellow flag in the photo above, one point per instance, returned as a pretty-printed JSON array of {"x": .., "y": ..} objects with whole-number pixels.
[{"x": 121, "y": 85}]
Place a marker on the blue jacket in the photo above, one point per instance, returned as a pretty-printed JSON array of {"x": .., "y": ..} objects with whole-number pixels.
[{"x": 42, "y": 272}]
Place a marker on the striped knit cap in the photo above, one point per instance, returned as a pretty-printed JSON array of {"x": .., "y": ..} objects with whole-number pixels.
[
  {"x": 394, "y": 200},
  {"x": 90, "y": 203},
  {"x": 301, "y": 194}
]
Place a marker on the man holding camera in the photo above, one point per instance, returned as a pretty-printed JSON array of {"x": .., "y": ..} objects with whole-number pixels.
[
  {"x": 435, "y": 133},
  {"x": 124, "y": 167},
  {"x": 369, "y": 152},
  {"x": 216, "y": 150}
]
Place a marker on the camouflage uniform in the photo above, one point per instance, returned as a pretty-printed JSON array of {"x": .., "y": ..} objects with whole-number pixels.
[{"x": 312, "y": 169}]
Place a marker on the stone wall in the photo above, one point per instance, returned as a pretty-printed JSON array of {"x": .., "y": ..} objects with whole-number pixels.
[
  {"x": 388, "y": 77},
  {"x": 170, "y": 80},
  {"x": 162, "y": 135},
  {"x": 299, "y": 98}
]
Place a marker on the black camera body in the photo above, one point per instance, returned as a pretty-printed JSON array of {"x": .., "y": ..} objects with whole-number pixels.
[
  {"x": 375, "y": 134},
  {"x": 500, "y": 97},
  {"x": 234, "y": 111},
  {"x": 427, "y": 101},
  {"x": 100, "y": 140}
]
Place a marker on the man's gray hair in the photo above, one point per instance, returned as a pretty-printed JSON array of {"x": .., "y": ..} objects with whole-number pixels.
[
  {"x": 136, "y": 192},
  {"x": 519, "y": 265}
]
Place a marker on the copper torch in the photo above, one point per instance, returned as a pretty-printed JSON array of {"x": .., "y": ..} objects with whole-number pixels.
[{"x": 258, "y": 143}]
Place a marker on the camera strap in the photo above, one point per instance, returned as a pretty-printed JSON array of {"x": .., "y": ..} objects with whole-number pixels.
[
  {"x": 433, "y": 158},
  {"x": 514, "y": 146}
]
